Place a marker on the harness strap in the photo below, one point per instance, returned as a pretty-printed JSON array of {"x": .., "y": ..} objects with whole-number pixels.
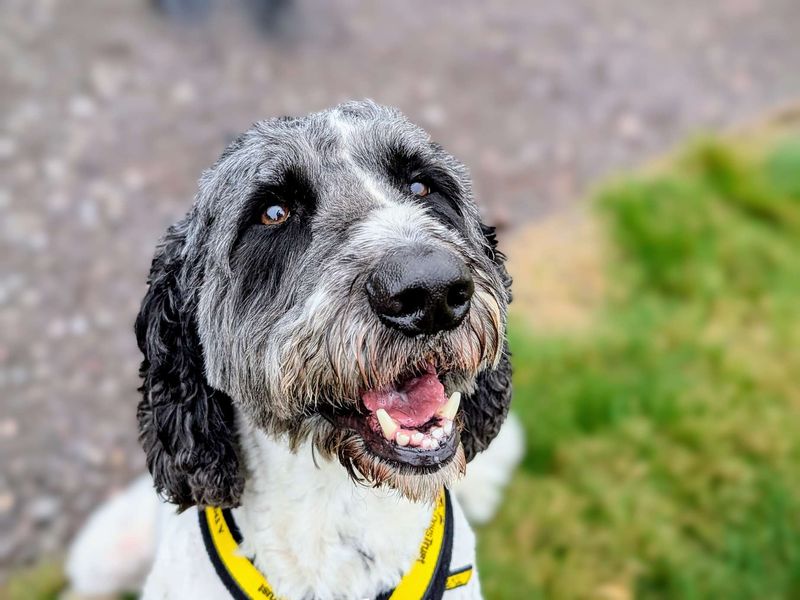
[{"x": 427, "y": 579}]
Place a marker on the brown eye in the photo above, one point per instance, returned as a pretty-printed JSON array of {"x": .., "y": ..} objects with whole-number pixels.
[
  {"x": 419, "y": 189},
  {"x": 275, "y": 214}
]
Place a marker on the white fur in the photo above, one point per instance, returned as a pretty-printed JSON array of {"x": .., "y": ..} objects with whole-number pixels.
[
  {"x": 306, "y": 525},
  {"x": 291, "y": 485},
  {"x": 114, "y": 550},
  {"x": 481, "y": 491}
]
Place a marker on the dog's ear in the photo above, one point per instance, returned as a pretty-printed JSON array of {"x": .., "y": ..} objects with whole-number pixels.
[
  {"x": 486, "y": 408},
  {"x": 185, "y": 426}
]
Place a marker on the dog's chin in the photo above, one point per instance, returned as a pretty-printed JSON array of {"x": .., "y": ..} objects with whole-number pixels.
[{"x": 417, "y": 483}]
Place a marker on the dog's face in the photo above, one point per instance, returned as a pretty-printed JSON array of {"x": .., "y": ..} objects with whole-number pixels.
[{"x": 333, "y": 280}]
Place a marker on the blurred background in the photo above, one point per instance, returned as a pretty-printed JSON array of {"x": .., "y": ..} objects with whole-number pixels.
[{"x": 641, "y": 158}]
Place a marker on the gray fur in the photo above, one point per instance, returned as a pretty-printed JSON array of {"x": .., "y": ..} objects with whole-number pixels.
[{"x": 287, "y": 353}]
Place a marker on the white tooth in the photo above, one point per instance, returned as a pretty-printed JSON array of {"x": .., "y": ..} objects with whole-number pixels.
[
  {"x": 437, "y": 433},
  {"x": 402, "y": 439},
  {"x": 387, "y": 424},
  {"x": 416, "y": 438},
  {"x": 426, "y": 443},
  {"x": 449, "y": 410},
  {"x": 434, "y": 444},
  {"x": 448, "y": 427}
]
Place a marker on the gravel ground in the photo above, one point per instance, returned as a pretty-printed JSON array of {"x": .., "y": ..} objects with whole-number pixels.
[{"x": 108, "y": 113}]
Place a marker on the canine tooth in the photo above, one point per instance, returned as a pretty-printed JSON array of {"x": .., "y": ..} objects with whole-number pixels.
[
  {"x": 416, "y": 438},
  {"x": 448, "y": 427},
  {"x": 437, "y": 433},
  {"x": 449, "y": 410},
  {"x": 388, "y": 425},
  {"x": 402, "y": 439}
]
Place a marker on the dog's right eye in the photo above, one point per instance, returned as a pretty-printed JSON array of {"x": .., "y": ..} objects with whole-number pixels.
[{"x": 275, "y": 214}]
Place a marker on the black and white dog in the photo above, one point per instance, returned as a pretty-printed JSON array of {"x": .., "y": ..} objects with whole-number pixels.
[{"x": 324, "y": 352}]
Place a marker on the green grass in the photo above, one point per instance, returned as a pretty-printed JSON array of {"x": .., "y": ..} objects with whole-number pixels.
[
  {"x": 41, "y": 582},
  {"x": 663, "y": 448}
]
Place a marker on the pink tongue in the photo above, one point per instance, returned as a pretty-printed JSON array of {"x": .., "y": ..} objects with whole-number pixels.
[{"x": 412, "y": 406}]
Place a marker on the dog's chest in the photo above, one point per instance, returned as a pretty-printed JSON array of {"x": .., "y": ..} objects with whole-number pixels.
[{"x": 313, "y": 533}]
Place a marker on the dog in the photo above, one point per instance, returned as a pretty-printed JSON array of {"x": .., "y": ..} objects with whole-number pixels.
[{"x": 324, "y": 341}]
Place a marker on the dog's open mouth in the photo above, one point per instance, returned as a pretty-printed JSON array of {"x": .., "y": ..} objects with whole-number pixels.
[{"x": 410, "y": 422}]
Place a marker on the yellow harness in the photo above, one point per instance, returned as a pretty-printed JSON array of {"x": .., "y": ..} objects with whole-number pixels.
[{"x": 428, "y": 578}]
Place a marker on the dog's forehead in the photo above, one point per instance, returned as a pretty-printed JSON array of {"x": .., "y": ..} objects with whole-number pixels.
[
  {"x": 343, "y": 154},
  {"x": 335, "y": 142}
]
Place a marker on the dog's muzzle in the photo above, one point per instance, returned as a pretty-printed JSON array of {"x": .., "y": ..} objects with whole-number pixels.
[{"x": 416, "y": 291}]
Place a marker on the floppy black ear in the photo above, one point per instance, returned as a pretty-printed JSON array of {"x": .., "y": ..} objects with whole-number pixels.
[
  {"x": 486, "y": 408},
  {"x": 186, "y": 427}
]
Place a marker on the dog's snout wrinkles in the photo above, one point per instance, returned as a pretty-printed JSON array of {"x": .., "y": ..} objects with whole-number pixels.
[{"x": 420, "y": 290}]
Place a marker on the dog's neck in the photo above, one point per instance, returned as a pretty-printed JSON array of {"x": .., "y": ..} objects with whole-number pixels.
[{"x": 316, "y": 533}]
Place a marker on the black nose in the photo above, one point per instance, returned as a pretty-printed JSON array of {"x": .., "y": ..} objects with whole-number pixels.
[{"x": 420, "y": 290}]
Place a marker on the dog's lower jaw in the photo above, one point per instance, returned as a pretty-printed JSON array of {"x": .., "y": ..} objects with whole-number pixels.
[
  {"x": 314, "y": 532},
  {"x": 365, "y": 468},
  {"x": 408, "y": 482}
]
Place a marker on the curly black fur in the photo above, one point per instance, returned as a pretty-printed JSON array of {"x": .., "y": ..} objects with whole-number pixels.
[
  {"x": 185, "y": 426},
  {"x": 487, "y": 407}
]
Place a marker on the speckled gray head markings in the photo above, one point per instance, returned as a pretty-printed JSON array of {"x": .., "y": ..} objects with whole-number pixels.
[{"x": 281, "y": 315}]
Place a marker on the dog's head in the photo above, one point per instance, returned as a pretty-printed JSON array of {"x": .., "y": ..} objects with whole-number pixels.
[{"x": 333, "y": 281}]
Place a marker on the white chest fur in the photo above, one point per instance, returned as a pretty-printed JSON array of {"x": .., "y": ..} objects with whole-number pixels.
[{"x": 314, "y": 533}]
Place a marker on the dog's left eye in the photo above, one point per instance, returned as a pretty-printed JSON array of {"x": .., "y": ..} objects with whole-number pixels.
[
  {"x": 419, "y": 189},
  {"x": 275, "y": 214}
]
